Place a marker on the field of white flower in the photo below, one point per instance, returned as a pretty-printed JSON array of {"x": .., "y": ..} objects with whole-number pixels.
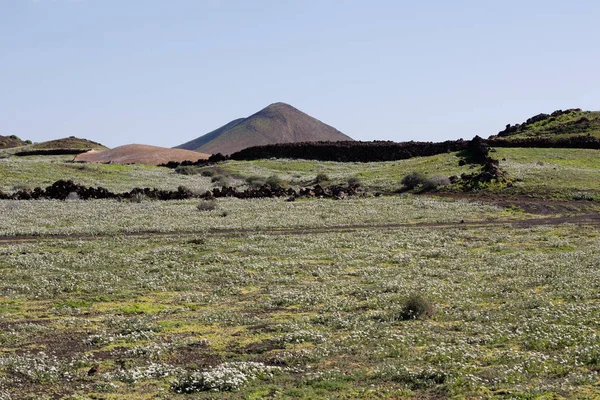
[
  {"x": 111, "y": 216},
  {"x": 297, "y": 313}
]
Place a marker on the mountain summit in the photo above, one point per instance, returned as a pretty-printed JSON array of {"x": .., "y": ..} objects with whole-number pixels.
[{"x": 277, "y": 123}]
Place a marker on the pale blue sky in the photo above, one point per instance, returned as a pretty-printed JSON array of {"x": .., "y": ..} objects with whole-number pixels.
[{"x": 165, "y": 72}]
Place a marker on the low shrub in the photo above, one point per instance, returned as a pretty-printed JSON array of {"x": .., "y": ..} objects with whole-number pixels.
[
  {"x": 416, "y": 307},
  {"x": 187, "y": 170},
  {"x": 138, "y": 197},
  {"x": 354, "y": 181},
  {"x": 275, "y": 182},
  {"x": 255, "y": 181},
  {"x": 413, "y": 180},
  {"x": 435, "y": 182},
  {"x": 220, "y": 180},
  {"x": 207, "y": 205},
  {"x": 321, "y": 177}
]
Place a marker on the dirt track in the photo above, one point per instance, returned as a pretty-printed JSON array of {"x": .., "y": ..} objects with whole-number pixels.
[{"x": 588, "y": 219}]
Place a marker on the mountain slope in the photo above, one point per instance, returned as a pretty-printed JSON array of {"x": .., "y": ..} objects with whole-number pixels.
[
  {"x": 277, "y": 123},
  {"x": 202, "y": 140},
  {"x": 558, "y": 125}
]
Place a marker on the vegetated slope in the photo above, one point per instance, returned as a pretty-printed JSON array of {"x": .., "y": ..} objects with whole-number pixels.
[
  {"x": 140, "y": 154},
  {"x": 70, "y": 142},
  {"x": 70, "y": 145},
  {"x": 559, "y": 125},
  {"x": 277, "y": 123},
  {"x": 11, "y": 141}
]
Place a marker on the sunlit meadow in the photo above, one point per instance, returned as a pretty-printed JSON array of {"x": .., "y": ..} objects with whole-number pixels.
[{"x": 269, "y": 301}]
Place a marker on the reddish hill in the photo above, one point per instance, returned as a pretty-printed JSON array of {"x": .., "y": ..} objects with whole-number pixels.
[
  {"x": 140, "y": 154},
  {"x": 277, "y": 123}
]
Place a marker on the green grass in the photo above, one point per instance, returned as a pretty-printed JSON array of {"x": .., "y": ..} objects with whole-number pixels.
[
  {"x": 558, "y": 173},
  {"x": 561, "y": 127},
  {"x": 323, "y": 309},
  {"x": 33, "y": 171},
  {"x": 375, "y": 176},
  {"x": 300, "y": 299}
]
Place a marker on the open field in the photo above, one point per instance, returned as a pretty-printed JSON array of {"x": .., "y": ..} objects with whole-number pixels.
[
  {"x": 303, "y": 313},
  {"x": 309, "y": 299}
]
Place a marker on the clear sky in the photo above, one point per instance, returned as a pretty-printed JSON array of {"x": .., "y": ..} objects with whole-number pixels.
[{"x": 163, "y": 72}]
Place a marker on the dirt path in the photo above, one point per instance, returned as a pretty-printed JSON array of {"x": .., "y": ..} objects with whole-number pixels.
[
  {"x": 527, "y": 204},
  {"x": 589, "y": 219}
]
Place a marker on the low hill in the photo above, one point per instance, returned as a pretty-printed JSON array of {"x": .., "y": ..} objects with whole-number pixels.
[
  {"x": 140, "y": 154},
  {"x": 7, "y": 142},
  {"x": 556, "y": 126},
  {"x": 277, "y": 123},
  {"x": 70, "y": 142}
]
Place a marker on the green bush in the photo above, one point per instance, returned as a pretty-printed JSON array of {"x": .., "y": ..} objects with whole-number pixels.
[
  {"x": 220, "y": 180},
  {"x": 255, "y": 181},
  {"x": 275, "y": 182}
]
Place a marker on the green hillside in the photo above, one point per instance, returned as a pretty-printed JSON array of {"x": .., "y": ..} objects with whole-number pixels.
[{"x": 558, "y": 125}]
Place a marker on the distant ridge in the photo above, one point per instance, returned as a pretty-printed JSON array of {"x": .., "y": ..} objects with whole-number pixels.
[{"x": 277, "y": 123}]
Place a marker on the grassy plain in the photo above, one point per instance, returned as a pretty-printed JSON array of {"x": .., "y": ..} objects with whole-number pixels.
[{"x": 273, "y": 299}]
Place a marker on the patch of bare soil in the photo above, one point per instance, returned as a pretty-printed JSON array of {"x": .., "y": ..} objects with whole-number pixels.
[
  {"x": 140, "y": 154},
  {"x": 527, "y": 204}
]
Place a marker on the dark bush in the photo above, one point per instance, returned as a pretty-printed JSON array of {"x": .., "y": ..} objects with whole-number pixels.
[
  {"x": 207, "y": 172},
  {"x": 217, "y": 158},
  {"x": 187, "y": 170},
  {"x": 416, "y": 307},
  {"x": 413, "y": 180},
  {"x": 354, "y": 182}
]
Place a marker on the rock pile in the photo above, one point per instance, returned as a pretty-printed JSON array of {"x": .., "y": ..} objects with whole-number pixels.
[{"x": 63, "y": 190}]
